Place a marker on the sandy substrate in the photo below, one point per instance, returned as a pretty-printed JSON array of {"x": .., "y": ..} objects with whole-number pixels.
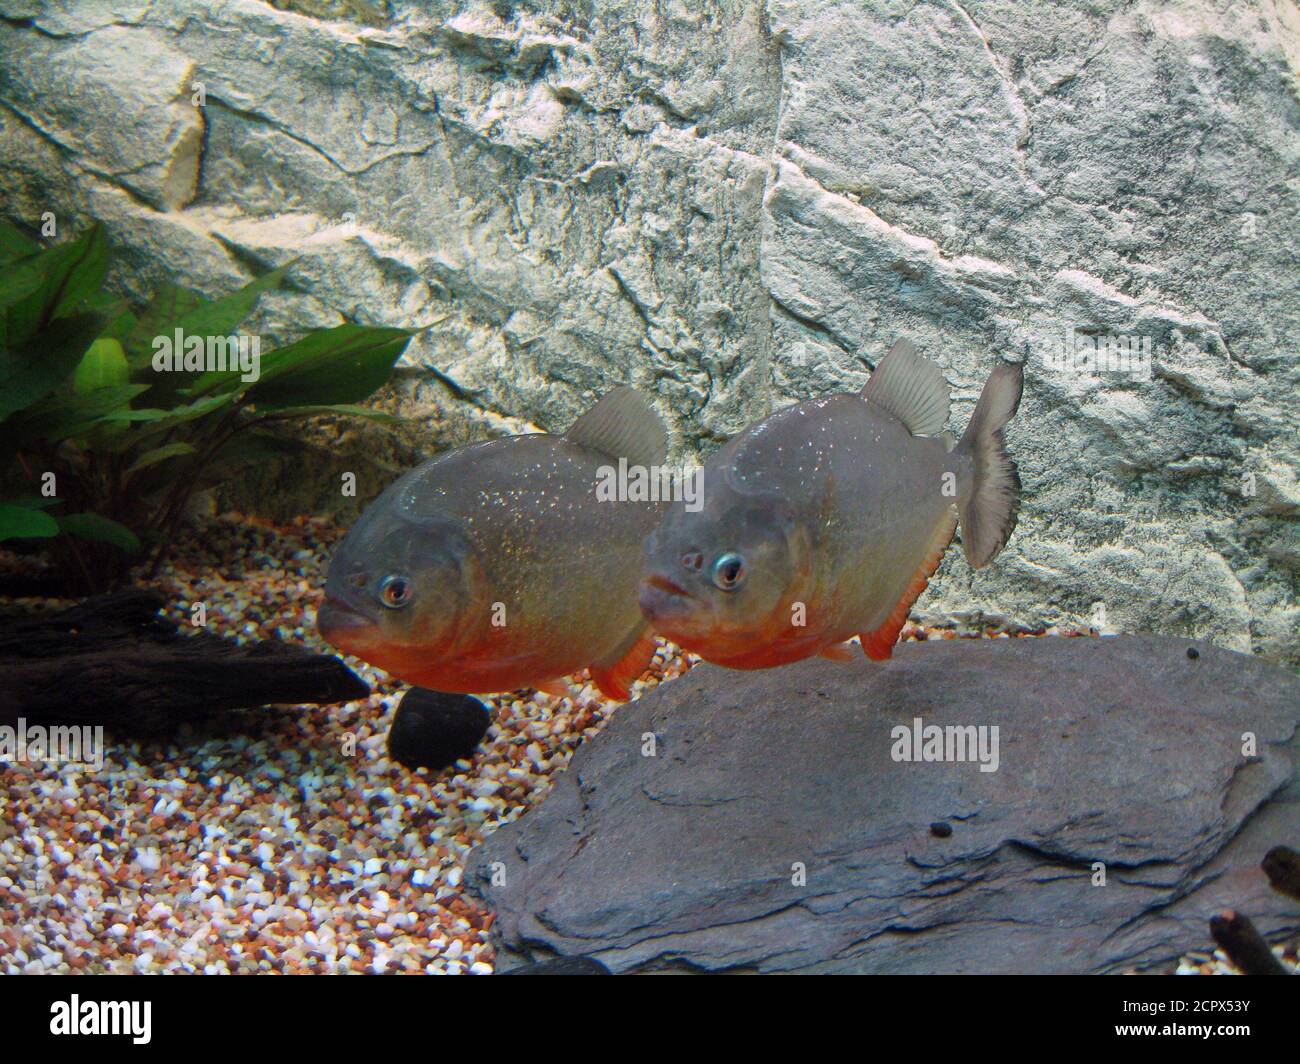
[{"x": 269, "y": 848}]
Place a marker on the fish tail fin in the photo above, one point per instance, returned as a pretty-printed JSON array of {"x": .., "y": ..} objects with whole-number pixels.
[{"x": 988, "y": 505}]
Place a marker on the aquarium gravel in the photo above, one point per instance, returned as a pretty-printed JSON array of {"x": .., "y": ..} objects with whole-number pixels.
[
  {"x": 266, "y": 847},
  {"x": 284, "y": 840}
]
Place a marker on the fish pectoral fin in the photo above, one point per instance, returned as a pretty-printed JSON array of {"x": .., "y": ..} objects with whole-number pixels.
[
  {"x": 911, "y": 388},
  {"x": 839, "y": 652},
  {"x": 879, "y": 644},
  {"x": 615, "y": 677},
  {"x": 622, "y": 425},
  {"x": 555, "y": 688}
]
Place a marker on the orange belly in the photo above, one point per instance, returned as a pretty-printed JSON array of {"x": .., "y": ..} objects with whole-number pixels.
[
  {"x": 760, "y": 651},
  {"x": 481, "y": 670}
]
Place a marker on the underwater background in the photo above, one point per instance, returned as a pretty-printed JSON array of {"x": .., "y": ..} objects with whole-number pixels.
[{"x": 730, "y": 206}]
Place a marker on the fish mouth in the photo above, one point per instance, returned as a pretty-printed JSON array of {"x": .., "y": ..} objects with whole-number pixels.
[
  {"x": 659, "y": 597},
  {"x": 338, "y": 622},
  {"x": 664, "y": 584}
]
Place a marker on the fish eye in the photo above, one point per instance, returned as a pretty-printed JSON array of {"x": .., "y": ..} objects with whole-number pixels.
[
  {"x": 693, "y": 560},
  {"x": 729, "y": 571},
  {"x": 395, "y": 592}
]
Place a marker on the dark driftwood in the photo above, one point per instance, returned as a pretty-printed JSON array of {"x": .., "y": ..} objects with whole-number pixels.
[
  {"x": 1282, "y": 866},
  {"x": 1244, "y": 945},
  {"x": 114, "y": 660}
]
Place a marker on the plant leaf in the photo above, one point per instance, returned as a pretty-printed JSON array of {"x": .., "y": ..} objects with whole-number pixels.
[
  {"x": 23, "y": 522},
  {"x": 169, "y": 305},
  {"x": 62, "y": 416},
  {"x": 103, "y": 366},
  {"x": 35, "y": 502},
  {"x": 178, "y": 415},
  {"x": 349, "y": 409},
  {"x": 30, "y": 372},
  {"x": 19, "y": 281},
  {"x": 150, "y": 422},
  {"x": 160, "y": 454},
  {"x": 179, "y": 308},
  {"x": 121, "y": 327},
  {"x": 71, "y": 273},
  {"x": 99, "y": 530},
  {"x": 220, "y": 317},
  {"x": 341, "y": 365},
  {"x": 15, "y": 244}
]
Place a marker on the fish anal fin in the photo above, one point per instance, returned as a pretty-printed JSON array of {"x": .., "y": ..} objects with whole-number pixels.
[
  {"x": 558, "y": 688},
  {"x": 879, "y": 644},
  {"x": 839, "y": 652},
  {"x": 615, "y": 678}
]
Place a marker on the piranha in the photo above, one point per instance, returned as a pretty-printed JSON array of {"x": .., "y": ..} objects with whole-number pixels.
[
  {"x": 495, "y": 567},
  {"x": 827, "y": 519}
]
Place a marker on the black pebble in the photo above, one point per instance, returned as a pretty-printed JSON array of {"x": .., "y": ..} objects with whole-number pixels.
[
  {"x": 432, "y": 729},
  {"x": 940, "y": 830},
  {"x": 562, "y": 966},
  {"x": 1193, "y": 653}
]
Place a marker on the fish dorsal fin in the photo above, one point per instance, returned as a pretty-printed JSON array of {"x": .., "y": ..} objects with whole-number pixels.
[
  {"x": 622, "y": 425},
  {"x": 911, "y": 388}
]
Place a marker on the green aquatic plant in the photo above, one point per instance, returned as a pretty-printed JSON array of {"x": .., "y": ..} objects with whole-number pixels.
[{"x": 112, "y": 417}]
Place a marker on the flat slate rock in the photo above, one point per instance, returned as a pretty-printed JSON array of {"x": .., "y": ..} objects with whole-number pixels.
[
  {"x": 1124, "y": 751},
  {"x": 561, "y": 966}
]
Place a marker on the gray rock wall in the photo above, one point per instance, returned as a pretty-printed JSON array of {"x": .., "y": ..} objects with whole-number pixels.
[{"x": 735, "y": 204}]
